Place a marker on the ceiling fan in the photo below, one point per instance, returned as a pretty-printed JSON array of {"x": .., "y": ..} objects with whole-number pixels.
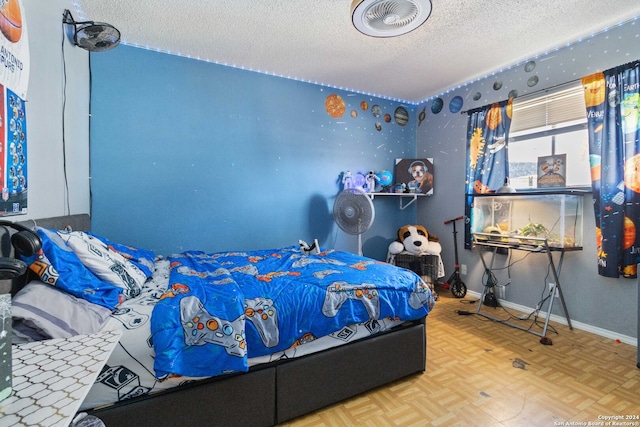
[
  {"x": 389, "y": 18},
  {"x": 90, "y": 35}
]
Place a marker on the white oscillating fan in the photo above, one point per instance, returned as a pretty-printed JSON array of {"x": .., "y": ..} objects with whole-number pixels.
[{"x": 354, "y": 213}]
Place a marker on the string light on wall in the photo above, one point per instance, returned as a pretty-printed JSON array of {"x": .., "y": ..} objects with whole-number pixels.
[
  {"x": 269, "y": 73},
  {"x": 535, "y": 57}
]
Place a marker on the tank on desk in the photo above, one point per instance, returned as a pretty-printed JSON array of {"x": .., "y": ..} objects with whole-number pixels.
[{"x": 555, "y": 216}]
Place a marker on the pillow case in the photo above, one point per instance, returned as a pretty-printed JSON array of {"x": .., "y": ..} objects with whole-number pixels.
[
  {"x": 144, "y": 259},
  {"x": 59, "y": 266},
  {"x": 40, "y": 310},
  {"x": 105, "y": 263}
]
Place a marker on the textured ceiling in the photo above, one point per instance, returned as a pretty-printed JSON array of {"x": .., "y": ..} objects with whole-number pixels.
[{"x": 315, "y": 41}]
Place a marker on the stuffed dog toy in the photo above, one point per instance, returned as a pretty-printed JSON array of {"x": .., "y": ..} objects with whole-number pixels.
[{"x": 415, "y": 240}]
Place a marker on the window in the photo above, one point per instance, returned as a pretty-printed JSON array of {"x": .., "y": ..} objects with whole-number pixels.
[{"x": 550, "y": 127}]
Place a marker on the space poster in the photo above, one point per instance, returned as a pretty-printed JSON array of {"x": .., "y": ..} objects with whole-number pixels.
[{"x": 14, "y": 79}]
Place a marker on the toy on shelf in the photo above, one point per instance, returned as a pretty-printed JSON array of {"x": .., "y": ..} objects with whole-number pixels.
[
  {"x": 400, "y": 188},
  {"x": 371, "y": 179},
  {"x": 359, "y": 181},
  {"x": 386, "y": 180},
  {"x": 347, "y": 180}
]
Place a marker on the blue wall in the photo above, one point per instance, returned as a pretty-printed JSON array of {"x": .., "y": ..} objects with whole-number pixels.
[{"x": 192, "y": 155}]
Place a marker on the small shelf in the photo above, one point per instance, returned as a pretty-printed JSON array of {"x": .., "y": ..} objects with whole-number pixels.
[
  {"x": 403, "y": 196},
  {"x": 536, "y": 192},
  {"x": 523, "y": 243}
]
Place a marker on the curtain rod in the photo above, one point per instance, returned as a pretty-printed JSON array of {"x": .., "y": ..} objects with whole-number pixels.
[{"x": 473, "y": 110}]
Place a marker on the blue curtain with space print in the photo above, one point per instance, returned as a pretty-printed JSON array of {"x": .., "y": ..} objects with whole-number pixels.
[
  {"x": 487, "y": 152},
  {"x": 613, "y": 99}
]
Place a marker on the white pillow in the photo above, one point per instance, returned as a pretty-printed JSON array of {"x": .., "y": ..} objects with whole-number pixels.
[
  {"x": 106, "y": 263},
  {"x": 51, "y": 313}
]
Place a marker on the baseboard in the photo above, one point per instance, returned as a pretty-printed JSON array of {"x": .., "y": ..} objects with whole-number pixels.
[{"x": 559, "y": 319}]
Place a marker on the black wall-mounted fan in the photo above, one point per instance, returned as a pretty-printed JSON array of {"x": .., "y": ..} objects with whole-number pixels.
[{"x": 92, "y": 36}]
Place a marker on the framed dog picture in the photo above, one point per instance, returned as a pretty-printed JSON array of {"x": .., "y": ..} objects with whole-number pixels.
[{"x": 415, "y": 174}]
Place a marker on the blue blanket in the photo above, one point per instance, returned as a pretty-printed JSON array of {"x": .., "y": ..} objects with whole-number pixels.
[{"x": 222, "y": 308}]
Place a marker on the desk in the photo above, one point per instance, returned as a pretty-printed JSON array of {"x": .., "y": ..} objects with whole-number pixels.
[
  {"x": 528, "y": 244},
  {"x": 51, "y": 378}
]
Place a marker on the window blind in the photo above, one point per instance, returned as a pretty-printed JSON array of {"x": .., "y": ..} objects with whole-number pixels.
[{"x": 555, "y": 108}]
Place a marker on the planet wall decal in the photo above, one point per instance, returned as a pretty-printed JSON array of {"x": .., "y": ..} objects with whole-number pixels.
[
  {"x": 436, "y": 105},
  {"x": 334, "y": 104},
  {"x": 422, "y": 115},
  {"x": 455, "y": 105},
  {"x": 529, "y": 66},
  {"x": 376, "y": 111},
  {"x": 364, "y": 105},
  {"x": 401, "y": 115}
]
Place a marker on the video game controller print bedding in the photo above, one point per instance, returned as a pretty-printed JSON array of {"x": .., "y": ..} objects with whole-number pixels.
[{"x": 223, "y": 308}]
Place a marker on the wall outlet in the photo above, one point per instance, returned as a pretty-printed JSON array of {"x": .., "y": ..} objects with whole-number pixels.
[
  {"x": 551, "y": 286},
  {"x": 500, "y": 291},
  {"x": 463, "y": 268}
]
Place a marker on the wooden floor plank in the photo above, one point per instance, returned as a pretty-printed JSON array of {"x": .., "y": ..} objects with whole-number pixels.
[{"x": 484, "y": 373}]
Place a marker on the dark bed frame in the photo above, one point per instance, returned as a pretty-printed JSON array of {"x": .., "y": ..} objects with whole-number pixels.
[{"x": 276, "y": 392}]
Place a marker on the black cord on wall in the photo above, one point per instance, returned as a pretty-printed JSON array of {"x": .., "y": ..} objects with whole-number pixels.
[{"x": 64, "y": 107}]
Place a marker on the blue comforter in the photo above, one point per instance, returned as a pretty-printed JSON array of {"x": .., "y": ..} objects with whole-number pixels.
[{"x": 222, "y": 308}]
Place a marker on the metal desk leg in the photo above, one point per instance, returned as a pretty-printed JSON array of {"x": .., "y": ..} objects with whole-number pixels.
[{"x": 558, "y": 288}]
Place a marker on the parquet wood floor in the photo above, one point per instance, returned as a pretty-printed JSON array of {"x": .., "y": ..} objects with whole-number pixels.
[{"x": 483, "y": 373}]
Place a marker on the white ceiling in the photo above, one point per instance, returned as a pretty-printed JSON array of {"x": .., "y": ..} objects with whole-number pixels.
[{"x": 315, "y": 41}]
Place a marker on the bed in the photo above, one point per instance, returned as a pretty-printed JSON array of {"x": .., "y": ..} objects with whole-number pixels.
[{"x": 234, "y": 337}]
